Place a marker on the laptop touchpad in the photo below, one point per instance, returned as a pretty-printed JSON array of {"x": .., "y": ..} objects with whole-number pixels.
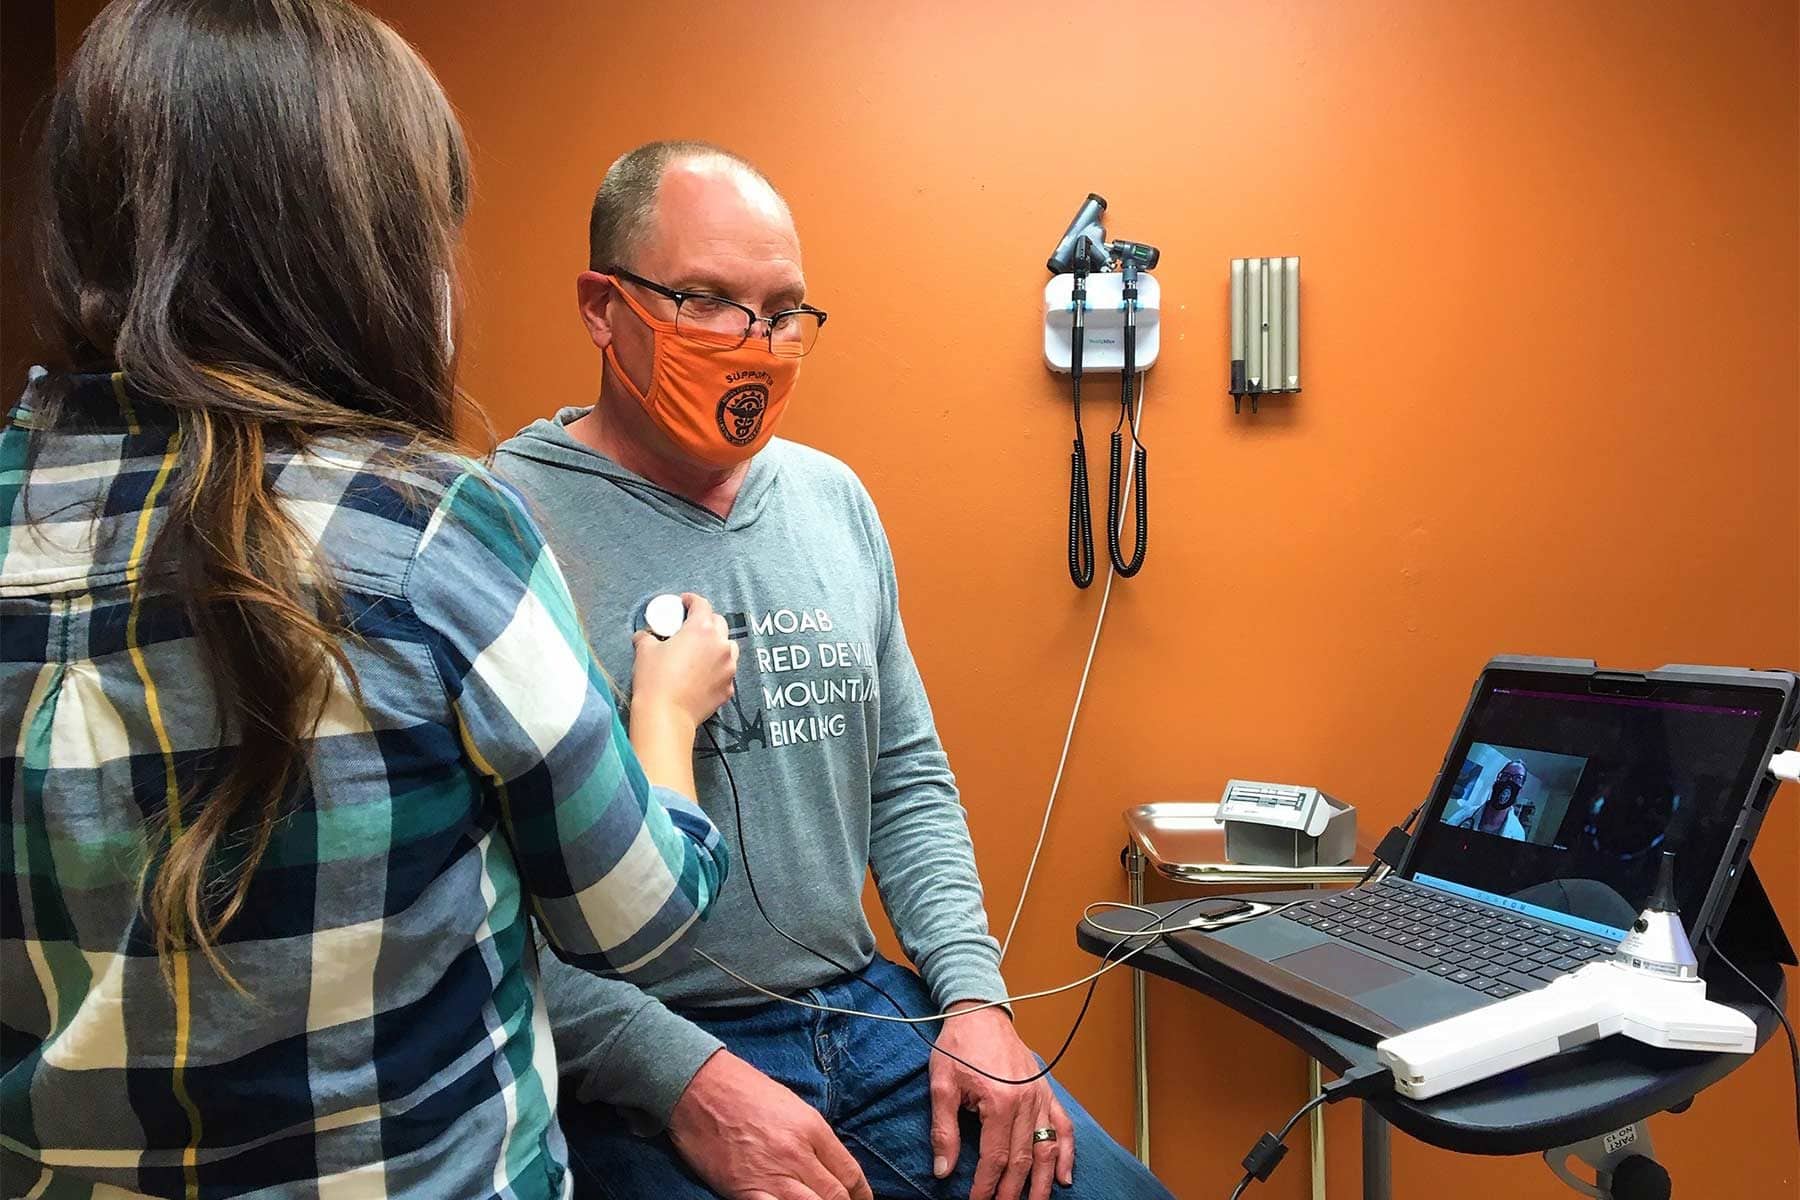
[{"x": 1341, "y": 969}]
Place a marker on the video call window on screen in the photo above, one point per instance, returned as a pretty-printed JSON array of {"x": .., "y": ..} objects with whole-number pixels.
[
  {"x": 1597, "y": 809},
  {"x": 1514, "y": 793}
]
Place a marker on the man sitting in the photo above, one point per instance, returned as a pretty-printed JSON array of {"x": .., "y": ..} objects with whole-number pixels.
[{"x": 701, "y": 1086}]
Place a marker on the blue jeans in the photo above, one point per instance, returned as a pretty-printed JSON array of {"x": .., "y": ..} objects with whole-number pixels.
[{"x": 867, "y": 1078}]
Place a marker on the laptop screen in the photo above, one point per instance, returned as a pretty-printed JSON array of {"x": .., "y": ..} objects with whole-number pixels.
[{"x": 1558, "y": 803}]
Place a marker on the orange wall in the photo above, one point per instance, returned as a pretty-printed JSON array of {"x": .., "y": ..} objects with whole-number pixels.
[{"x": 1552, "y": 352}]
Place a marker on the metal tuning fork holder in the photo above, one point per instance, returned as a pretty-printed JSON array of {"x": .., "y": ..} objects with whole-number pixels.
[{"x": 1265, "y": 329}]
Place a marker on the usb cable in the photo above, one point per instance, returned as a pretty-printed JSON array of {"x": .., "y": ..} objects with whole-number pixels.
[{"x": 1372, "y": 1079}]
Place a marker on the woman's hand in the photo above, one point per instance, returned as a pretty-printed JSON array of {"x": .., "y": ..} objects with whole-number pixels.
[{"x": 676, "y": 686}]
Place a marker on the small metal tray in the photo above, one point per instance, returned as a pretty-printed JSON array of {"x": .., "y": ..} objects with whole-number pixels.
[{"x": 1186, "y": 843}]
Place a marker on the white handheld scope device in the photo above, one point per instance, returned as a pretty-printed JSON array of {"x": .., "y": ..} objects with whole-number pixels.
[{"x": 1650, "y": 991}]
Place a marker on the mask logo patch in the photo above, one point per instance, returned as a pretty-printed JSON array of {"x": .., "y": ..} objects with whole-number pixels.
[{"x": 741, "y": 412}]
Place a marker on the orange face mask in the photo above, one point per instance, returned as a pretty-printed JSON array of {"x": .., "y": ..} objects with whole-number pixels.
[{"x": 718, "y": 401}]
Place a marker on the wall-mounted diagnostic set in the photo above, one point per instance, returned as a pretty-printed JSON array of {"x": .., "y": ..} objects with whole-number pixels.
[
  {"x": 1102, "y": 312},
  {"x": 1265, "y": 328}
]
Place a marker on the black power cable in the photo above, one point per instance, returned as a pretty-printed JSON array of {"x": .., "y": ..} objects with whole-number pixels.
[
  {"x": 1272, "y": 1148},
  {"x": 1401, "y": 833},
  {"x": 1793, "y": 1044},
  {"x": 737, "y": 810},
  {"x": 1358, "y": 1083}
]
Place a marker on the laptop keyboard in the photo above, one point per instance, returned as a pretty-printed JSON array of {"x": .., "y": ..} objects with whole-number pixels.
[{"x": 1459, "y": 940}]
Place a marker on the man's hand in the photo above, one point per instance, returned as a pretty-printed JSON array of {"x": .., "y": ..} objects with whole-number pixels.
[
  {"x": 749, "y": 1138},
  {"x": 1009, "y": 1112}
]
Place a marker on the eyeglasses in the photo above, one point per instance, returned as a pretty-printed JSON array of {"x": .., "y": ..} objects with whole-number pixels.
[{"x": 791, "y": 333}]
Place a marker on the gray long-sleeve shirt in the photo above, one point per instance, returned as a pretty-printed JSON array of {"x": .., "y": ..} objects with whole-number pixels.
[{"x": 830, "y": 738}]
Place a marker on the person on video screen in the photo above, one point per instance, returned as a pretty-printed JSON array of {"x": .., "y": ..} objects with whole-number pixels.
[{"x": 1497, "y": 815}]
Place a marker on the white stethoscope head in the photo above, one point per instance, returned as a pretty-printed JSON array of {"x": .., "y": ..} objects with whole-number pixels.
[{"x": 664, "y": 615}]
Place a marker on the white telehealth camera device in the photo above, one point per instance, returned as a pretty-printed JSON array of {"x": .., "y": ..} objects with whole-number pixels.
[
  {"x": 1650, "y": 991},
  {"x": 1285, "y": 825}
]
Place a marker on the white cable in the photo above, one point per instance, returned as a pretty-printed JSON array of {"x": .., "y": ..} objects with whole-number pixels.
[
  {"x": 1786, "y": 765},
  {"x": 926, "y": 1020},
  {"x": 1080, "y": 691},
  {"x": 1151, "y": 932},
  {"x": 1257, "y": 909},
  {"x": 1136, "y": 908}
]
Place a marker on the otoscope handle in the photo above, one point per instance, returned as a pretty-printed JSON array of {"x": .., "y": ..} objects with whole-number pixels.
[{"x": 1596, "y": 1001}]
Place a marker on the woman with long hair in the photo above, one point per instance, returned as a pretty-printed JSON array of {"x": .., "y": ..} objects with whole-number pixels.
[{"x": 299, "y": 732}]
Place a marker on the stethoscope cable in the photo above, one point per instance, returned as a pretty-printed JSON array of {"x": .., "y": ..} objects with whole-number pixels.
[{"x": 1152, "y": 933}]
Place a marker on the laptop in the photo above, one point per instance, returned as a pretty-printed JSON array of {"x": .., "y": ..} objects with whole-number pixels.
[{"x": 1537, "y": 847}]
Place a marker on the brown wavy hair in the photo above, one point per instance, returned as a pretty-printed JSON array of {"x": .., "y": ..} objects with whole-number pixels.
[{"x": 250, "y": 208}]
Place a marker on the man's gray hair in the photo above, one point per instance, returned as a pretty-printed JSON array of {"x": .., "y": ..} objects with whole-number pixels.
[{"x": 625, "y": 204}]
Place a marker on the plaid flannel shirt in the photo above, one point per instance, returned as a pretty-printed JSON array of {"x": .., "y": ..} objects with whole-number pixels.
[{"x": 392, "y": 1042}]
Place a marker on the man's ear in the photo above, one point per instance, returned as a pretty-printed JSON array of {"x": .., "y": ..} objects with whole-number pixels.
[{"x": 592, "y": 292}]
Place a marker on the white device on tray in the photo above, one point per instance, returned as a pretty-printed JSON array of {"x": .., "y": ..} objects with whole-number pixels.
[
  {"x": 1650, "y": 991},
  {"x": 1284, "y": 824}
]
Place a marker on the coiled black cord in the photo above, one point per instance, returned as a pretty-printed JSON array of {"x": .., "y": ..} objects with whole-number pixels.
[
  {"x": 1081, "y": 518},
  {"x": 1127, "y": 383},
  {"x": 1136, "y": 564}
]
